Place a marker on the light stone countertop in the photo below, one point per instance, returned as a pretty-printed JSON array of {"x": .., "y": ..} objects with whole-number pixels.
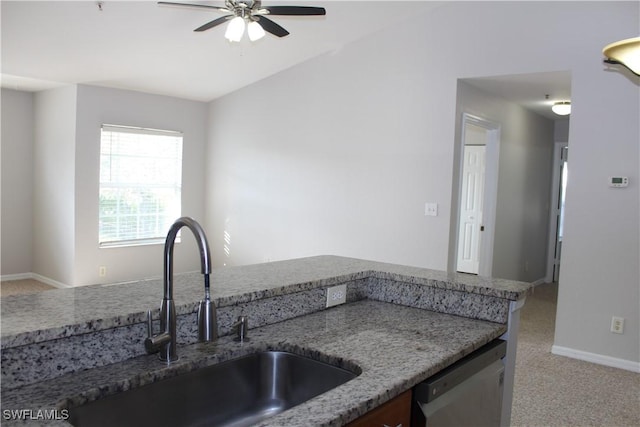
[
  {"x": 28, "y": 319},
  {"x": 394, "y": 346}
]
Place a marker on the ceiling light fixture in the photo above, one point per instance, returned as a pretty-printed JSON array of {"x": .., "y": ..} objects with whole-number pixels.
[
  {"x": 255, "y": 31},
  {"x": 624, "y": 52},
  {"x": 249, "y": 15},
  {"x": 562, "y": 108},
  {"x": 235, "y": 29}
]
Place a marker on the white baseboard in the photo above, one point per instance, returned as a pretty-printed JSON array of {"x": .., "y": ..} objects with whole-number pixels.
[
  {"x": 51, "y": 282},
  {"x": 627, "y": 365},
  {"x": 539, "y": 282},
  {"x": 19, "y": 276},
  {"x": 35, "y": 276}
]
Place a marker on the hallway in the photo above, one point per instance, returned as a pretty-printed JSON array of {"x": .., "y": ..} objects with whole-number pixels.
[{"x": 554, "y": 390}]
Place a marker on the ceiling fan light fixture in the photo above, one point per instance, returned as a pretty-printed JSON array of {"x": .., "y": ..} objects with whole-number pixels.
[
  {"x": 249, "y": 14},
  {"x": 562, "y": 108},
  {"x": 255, "y": 31},
  {"x": 625, "y": 52},
  {"x": 235, "y": 29}
]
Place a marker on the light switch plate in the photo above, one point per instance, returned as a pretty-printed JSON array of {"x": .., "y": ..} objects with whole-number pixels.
[{"x": 431, "y": 209}]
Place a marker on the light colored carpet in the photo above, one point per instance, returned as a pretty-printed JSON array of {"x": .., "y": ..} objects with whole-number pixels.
[
  {"x": 554, "y": 390},
  {"x": 19, "y": 287}
]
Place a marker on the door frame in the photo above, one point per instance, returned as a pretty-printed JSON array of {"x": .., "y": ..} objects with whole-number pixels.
[
  {"x": 554, "y": 210},
  {"x": 490, "y": 190}
]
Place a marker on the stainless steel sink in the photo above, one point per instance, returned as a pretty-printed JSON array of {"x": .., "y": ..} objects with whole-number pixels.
[{"x": 239, "y": 392}]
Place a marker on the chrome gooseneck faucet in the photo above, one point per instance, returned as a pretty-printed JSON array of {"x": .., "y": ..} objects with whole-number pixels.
[{"x": 165, "y": 341}]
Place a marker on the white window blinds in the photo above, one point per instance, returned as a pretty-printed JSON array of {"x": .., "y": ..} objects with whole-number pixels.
[{"x": 140, "y": 184}]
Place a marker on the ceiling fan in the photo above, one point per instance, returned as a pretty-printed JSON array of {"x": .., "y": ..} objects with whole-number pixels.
[{"x": 249, "y": 14}]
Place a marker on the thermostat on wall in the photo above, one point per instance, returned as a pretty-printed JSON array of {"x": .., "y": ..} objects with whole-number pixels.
[{"x": 618, "y": 181}]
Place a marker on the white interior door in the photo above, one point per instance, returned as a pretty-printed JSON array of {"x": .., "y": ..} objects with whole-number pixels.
[
  {"x": 475, "y": 214},
  {"x": 469, "y": 234}
]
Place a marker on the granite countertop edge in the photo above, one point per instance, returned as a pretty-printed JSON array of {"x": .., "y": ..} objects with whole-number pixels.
[{"x": 299, "y": 275}]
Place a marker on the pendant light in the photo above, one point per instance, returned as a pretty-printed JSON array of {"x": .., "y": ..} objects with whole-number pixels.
[{"x": 624, "y": 52}]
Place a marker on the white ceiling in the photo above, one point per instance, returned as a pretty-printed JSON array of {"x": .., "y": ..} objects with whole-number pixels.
[
  {"x": 138, "y": 45},
  {"x": 142, "y": 46}
]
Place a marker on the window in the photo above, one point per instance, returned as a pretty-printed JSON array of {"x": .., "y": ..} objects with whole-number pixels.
[{"x": 140, "y": 184}]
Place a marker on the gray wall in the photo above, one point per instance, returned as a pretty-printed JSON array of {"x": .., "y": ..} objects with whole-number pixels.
[
  {"x": 17, "y": 182},
  {"x": 561, "y": 131},
  {"x": 339, "y": 154},
  {"x": 54, "y": 184}
]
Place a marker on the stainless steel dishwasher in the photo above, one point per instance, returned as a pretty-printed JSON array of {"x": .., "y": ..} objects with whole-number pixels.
[{"x": 468, "y": 393}]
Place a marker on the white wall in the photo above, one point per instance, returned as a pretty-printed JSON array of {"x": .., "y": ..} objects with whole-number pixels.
[
  {"x": 54, "y": 184},
  {"x": 524, "y": 183},
  {"x": 334, "y": 156},
  {"x": 61, "y": 170},
  {"x": 17, "y": 182},
  {"x": 338, "y": 155},
  {"x": 97, "y": 106},
  {"x": 600, "y": 274}
]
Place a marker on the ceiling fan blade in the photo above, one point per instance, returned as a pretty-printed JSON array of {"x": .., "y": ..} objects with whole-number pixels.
[
  {"x": 295, "y": 10},
  {"x": 271, "y": 27},
  {"x": 194, "y": 6},
  {"x": 213, "y": 23}
]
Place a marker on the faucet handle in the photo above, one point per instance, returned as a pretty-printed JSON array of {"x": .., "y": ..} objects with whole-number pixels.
[
  {"x": 243, "y": 325},
  {"x": 153, "y": 342}
]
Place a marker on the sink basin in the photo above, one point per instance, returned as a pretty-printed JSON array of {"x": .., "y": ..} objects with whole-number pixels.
[{"x": 238, "y": 392}]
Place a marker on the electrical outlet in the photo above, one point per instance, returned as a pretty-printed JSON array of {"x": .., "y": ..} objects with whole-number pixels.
[
  {"x": 617, "y": 325},
  {"x": 102, "y": 271},
  {"x": 336, "y": 295}
]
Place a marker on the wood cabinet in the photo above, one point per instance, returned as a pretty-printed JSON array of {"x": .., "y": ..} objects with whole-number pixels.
[{"x": 394, "y": 413}]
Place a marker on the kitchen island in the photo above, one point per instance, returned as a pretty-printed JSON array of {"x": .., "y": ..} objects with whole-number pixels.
[{"x": 400, "y": 325}]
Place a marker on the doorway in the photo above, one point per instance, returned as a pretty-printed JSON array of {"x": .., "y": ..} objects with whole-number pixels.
[
  {"x": 556, "y": 228},
  {"x": 477, "y": 195}
]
